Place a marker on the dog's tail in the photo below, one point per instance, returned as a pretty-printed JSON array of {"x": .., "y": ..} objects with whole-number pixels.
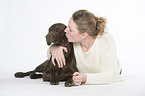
[
  {"x": 32, "y": 74},
  {"x": 23, "y": 74}
]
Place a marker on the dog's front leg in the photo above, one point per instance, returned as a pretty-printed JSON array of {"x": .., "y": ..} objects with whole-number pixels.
[
  {"x": 54, "y": 78},
  {"x": 54, "y": 75},
  {"x": 69, "y": 81}
]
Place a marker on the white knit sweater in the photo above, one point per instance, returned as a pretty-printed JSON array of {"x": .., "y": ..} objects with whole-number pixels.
[{"x": 100, "y": 62}]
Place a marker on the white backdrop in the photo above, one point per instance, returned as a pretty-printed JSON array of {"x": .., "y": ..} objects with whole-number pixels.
[{"x": 24, "y": 24}]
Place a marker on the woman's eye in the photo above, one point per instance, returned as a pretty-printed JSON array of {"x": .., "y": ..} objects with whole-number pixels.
[{"x": 70, "y": 30}]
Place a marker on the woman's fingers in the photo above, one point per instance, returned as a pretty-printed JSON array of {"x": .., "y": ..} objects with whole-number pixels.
[
  {"x": 53, "y": 61},
  {"x": 60, "y": 64},
  {"x": 76, "y": 74},
  {"x": 77, "y": 78},
  {"x": 77, "y": 81},
  {"x": 63, "y": 59},
  {"x": 59, "y": 56},
  {"x": 65, "y": 49},
  {"x": 58, "y": 61}
]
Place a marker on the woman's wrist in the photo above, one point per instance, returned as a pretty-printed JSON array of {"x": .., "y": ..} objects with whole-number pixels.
[
  {"x": 84, "y": 78},
  {"x": 51, "y": 47}
]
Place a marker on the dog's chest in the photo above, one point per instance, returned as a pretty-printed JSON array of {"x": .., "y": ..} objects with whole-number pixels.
[
  {"x": 64, "y": 73},
  {"x": 64, "y": 70}
]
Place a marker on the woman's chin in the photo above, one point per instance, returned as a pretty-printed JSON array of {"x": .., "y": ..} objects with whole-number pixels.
[{"x": 70, "y": 40}]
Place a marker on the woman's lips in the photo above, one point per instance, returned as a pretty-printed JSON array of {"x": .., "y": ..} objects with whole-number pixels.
[{"x": 66, "y": 35}]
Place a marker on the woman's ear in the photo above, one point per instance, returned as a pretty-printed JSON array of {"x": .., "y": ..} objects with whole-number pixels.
[{"x": 84, "y": 35}]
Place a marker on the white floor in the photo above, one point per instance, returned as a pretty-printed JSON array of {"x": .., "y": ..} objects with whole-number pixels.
[{"x": 131, "y": 86}]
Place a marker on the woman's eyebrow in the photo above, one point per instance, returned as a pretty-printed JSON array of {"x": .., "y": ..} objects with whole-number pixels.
[{"x": 69, "y": 27}]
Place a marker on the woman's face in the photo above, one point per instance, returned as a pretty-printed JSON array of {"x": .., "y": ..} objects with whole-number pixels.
[{"x": 72, "y": 33}]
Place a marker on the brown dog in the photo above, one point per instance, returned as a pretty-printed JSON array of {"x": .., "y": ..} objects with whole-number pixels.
[{"x": 52, "y": 73}]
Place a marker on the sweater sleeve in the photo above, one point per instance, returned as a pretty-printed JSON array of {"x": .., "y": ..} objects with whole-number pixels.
[
  {"x": 108, "y": 66},
  {"x": 48, "y": 53}
]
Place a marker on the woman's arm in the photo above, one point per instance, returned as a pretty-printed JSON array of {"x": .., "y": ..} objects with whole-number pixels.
[
  {"x": 108, "y": 66},
  {"x": 57, "y": 53}
]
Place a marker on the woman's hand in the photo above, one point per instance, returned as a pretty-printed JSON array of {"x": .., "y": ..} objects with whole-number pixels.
[
  {"x": 78, "y": 78},
  {"x": 57, "y": 53}
]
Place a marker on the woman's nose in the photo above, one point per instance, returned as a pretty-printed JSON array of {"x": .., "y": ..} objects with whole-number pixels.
[{"x": 66, "y": 29}]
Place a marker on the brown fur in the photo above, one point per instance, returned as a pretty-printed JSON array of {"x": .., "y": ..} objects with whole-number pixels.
[{"x": 52, "y": 73}]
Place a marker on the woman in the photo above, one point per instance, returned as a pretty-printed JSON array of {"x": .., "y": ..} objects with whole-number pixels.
[{"x": 94, "y": 48}]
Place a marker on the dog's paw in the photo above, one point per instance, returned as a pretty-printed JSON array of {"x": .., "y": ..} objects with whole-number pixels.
[
  {"x": 19, "y": 75},
  {"x": 54, "y": 82},
  {"x": 68, "y": 84}
]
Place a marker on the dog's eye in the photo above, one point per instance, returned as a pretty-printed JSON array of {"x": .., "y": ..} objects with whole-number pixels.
[{"x": 57, "y": 29}]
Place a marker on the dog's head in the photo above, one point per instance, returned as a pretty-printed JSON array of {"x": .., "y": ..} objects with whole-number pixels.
[{"x": 56, "y": 34}]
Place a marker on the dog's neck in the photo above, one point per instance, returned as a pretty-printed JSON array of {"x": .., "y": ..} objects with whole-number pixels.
[{"x": 64, "y": 42}]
